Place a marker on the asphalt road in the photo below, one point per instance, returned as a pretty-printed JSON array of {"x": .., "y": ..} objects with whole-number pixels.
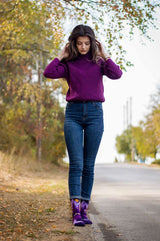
[{"x": 126, "y": 203}]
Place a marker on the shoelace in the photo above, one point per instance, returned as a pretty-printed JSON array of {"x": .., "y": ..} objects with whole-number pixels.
[{"x": 77, "y": 214}]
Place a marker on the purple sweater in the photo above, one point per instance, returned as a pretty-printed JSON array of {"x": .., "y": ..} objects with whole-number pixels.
[{"x": 84, "y": 77}]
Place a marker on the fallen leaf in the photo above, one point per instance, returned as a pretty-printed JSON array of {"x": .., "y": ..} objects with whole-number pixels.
[
  {"x": 47, "y": 230},
  {"x": 51, "y": 221},
  {"x": 18, "y": 230}
]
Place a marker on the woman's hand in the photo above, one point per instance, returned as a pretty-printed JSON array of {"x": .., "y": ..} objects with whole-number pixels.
[
  {"x": 101, "y": 50},
  {"x": 64, "y": 53}
]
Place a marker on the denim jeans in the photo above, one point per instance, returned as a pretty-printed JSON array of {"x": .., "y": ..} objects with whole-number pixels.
[{"x": 83, "y": 129}]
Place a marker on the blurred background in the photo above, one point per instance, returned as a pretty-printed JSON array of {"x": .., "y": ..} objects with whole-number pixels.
[{"x": 32, "y": 107}]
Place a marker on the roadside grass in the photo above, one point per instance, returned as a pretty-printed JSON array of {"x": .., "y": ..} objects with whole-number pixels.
[
  {"x": 34, "y": 203},
  {"x": 13, "y": 164},
  {"x": 157, "y": 162}
]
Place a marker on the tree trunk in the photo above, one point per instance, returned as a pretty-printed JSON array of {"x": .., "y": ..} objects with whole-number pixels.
[{"x": 39, "y": 106}]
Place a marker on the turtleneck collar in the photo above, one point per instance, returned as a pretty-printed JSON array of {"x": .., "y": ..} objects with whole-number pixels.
[{"x": 84, "y": 56}]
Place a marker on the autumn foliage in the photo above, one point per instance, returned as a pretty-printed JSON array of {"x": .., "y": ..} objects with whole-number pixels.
[
  {"x": 31, "y": 34},
  {"x": 31, "y": 118},
  {"x": 144, "y": 139}
]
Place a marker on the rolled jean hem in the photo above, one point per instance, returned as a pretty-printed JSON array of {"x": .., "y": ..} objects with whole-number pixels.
[
  {"x": 85, "y": 198},
  {"x": 75, "y": 197},
  {"x": 79, "y": 197}
]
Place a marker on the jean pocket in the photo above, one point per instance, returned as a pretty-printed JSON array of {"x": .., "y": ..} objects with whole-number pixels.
[{"x": 97, "y": 104}]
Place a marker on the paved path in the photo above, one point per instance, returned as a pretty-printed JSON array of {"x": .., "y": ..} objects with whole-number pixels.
[{"x": 127, "y": 201}]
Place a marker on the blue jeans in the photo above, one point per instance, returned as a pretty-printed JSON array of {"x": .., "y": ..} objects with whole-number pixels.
[{"x": 83, "y": 129}]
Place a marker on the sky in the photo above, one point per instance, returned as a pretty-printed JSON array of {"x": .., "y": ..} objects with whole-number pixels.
[{"x": 139, "y": 83}]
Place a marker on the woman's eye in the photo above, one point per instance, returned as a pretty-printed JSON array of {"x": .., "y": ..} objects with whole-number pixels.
[{"x": 79, "y": 43}]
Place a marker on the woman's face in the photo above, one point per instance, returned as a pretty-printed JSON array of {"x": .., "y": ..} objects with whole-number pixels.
[{"x": 83, "y": 44}]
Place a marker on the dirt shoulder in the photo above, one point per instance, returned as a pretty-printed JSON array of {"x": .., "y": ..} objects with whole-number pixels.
[{"x": 34, "y": 205}]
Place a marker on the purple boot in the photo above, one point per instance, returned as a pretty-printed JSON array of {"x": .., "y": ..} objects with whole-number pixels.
[
  {"x": 77, "y": 219},
  {"x": 84, "y": 206}
]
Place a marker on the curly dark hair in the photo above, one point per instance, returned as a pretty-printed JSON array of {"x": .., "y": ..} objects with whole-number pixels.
[{"x": 81, "y": 31}]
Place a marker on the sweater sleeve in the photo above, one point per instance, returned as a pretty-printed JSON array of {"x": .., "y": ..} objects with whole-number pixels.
[
  {"x": 111, "y": 70},
  {"x": 56, "y": 70}
]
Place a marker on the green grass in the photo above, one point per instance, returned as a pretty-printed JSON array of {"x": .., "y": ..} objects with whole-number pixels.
[{"x": 156, "y": 162}]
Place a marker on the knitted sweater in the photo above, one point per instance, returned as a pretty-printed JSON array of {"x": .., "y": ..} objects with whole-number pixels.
[{"x": 84, "y": 77}]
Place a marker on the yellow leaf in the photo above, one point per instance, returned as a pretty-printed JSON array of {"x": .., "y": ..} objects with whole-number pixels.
[
  {"x": 47, "y": 230},
  {"x": 18, "y": 230}
]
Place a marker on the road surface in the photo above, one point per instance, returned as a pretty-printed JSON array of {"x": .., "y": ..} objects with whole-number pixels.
[{"x": 126, "y": 202}]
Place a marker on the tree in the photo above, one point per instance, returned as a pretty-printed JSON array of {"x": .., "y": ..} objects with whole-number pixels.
[
  {"x": 146, "y": 136},
  {"x": 156, "y": 123},
  {"x": 124, "y": 142},
  {"x": 140, "y": 142},
  {"x": 155, "y": 114},
  {"x": 145, "y": 139},
  {"x": 29, "y": 35},
  {"x": 113, "y": 19}
]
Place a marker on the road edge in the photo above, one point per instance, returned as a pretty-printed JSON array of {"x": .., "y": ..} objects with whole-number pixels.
[{"x": 101, "y": 229}]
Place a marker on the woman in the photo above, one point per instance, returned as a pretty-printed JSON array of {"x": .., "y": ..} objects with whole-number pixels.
[{"x": 83, "y": 62}]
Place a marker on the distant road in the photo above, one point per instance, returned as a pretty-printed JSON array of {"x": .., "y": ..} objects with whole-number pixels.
[{"x": 127, "y": 198}]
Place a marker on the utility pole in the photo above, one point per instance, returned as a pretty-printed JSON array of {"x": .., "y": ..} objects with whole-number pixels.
[
  {"x": 127, "y": 122},
  {"x": 127, "y": 113},
  {"x": 132, "y": 139},
  {"x": 130, "y": 111},
  {"x": 124, "y": 117}
]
